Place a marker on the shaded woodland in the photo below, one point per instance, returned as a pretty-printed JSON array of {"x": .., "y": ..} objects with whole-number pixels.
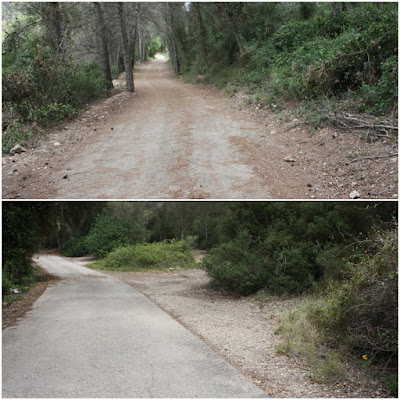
[{"x": 337, "y": 61}]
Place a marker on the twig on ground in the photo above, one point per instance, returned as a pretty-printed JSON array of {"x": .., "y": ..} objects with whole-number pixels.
[{"x": 374, "y": 157}]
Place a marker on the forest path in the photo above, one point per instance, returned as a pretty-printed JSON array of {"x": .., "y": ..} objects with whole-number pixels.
[
  {"x": 93, "y": 336},
  {"x": 169, "y": 140}
]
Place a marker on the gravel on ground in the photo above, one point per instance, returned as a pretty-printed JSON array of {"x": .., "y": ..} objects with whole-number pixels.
[{"x": 241, "y": 330}]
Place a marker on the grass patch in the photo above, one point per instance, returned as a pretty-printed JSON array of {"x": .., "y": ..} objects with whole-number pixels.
[
  {"x": 142, "y": 257},
  {"x": 302, "y": 338},
  {"x": 354, "y": 322}
]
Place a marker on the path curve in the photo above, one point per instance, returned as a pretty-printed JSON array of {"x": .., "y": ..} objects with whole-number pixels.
[{"x": 94, "y": 336}]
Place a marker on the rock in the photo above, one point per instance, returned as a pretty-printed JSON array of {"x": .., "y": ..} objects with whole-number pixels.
[
  {"x": 289, "y": 159},
  {"x": 65, "y": 176},
  {"x": 17, "y": 149},
  {"x": 309, "y": 185},
  {"x": 57, "y": 144},
  {"x": 354, "y": 195}
]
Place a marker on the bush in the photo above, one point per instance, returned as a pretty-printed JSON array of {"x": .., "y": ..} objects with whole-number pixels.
[
  {"x": 357, "y": 317},
  {"x": 75, "y": 247},
  {"x": 234, "y": 267},
  {"x": 111, "y": 231},
  {"x": 40, "y": 88},
  {"x": 167, "y": 254},
  {"x": 6, "y": 283},
  {"x": 363, "y": 312}
]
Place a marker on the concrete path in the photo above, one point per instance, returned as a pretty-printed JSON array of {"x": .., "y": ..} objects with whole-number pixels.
[{"x": 91, "y": 335}]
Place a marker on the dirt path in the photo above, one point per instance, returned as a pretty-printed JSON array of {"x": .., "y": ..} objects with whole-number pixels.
[{"x": 176, "y": 140}]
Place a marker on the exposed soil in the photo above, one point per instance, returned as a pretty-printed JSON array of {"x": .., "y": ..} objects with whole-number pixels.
[
  {"x": 242, "y": 331},
  {"x": 181, "y": 141},
  {"x": 13, "y": 311}
]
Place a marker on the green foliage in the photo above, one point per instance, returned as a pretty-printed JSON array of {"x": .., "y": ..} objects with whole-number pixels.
[
  {"x": 303, "y": 52},
  {"x": 40, "y": 88},
  {"x": 287, "y": 247},
  {"x": 234, "y": 268},
  {"x": 357, "y": 317},
  {"x": 155, "y": 47},
  {"x": 75, "y": 247},
  {"x": 24, "y": 225},
  {"x": 363, "y": 312},
  {"x": 159, "y": 255},
  {"x": 111, "y": 231},
  {"x": 191, "y": 241},
  {"x": 6, "y": 283}
]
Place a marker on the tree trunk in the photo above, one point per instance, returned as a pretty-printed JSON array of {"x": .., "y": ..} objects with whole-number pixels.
[
  {"x": 55, "y": 32},
  {"x": 125, "y": 49},
  {"x": 234, "y": 28},
  {"x": 202, "y": 31},
  {"x": 105, "y": 58},
  {"x": 134, "y": 46},
  {"x": 140, "y": 47},
  {"x": 176, "y": 58}
]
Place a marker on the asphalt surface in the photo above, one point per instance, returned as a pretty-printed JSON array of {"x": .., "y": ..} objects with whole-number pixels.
[{"x": 94, "y": 336}]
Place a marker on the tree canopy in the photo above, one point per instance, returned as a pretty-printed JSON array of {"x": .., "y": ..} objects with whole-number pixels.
[{"x": 59, "y": 56}]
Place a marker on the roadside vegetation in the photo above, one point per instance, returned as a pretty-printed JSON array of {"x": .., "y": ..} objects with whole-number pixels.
[
  {"x": 354, "y": 322},
  {"x": 333, "y": 62},
  {"x": 166, "y": 255},
  {"x": 339, "y": 258},
  {"x": 323, "y": 60},
  {"x": 57, "y": 57}
]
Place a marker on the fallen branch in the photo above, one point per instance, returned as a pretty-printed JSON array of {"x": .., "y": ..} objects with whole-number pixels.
[
  {"x": 374, "y": 157},
  {"x": 370, "y": 123}
]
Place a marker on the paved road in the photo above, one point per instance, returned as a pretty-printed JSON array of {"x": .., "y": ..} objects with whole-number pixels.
[{"x": 91, "y": 335}]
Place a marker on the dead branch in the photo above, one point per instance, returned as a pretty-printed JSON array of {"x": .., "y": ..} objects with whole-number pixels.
[
  {"x": 374, "y": 157},
  {"x": 374, "y": 125}
]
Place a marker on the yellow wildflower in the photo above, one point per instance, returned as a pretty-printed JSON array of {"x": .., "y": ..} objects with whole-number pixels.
[{"x": 365, "y": 357}]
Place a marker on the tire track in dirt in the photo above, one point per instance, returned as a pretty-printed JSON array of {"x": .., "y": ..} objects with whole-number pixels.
[{"x": 169, "y": 140}]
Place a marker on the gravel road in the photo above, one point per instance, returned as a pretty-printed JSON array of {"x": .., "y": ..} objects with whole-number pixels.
[{"x": 91, "y": 335}]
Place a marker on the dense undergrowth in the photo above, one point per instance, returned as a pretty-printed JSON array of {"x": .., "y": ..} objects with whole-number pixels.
[
  {"x": 349, "y": 60},
  {"x": 39, "y": 87},
  {"x": 354, "y": 320},
  {"x": 288, "y": 247}
]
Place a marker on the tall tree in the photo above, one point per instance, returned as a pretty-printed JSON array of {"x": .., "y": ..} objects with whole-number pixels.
[
  {"x": 125, "y": 49},
  {"x": 105, "y": 57}
]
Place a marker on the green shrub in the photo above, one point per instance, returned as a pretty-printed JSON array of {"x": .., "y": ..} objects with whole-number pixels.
[
  {"x": 234, "y": 267},
  {"x": 111, "y": 231},
  {"x": 40, "y": 88},
  {"x": 353, "y": 320},
  {"x": 75, "y": 247},
  {"x": 191, "y": 241},
  {"x": 6, "y": 283},
  {"x": 159, "y": 255},
  {"x": 154, "y": 47},
  {"x": 363, "y": 312}
]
